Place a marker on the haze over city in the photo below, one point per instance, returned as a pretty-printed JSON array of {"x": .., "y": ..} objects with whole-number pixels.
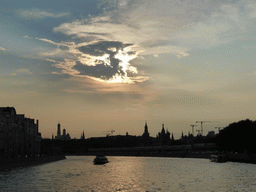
[{"x": 98, "y": 65}]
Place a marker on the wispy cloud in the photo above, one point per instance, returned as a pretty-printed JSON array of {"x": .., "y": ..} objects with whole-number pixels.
[
  {"x": 146, "y": 29},
  {"x": 47, "y": 40},
  {"x": 106, "y": 61},
  {"x": 162, "y": 25},
  {"x": 111, "y": 92},
  {"x": 26, "y": 37},
  {"x": 230, "y": 23},
  {"x": 151, "y": 25},
  {"x": 113, "y": 4},
  {"x": 129, "y": 29},
  {"x": 22, "y": 71},
  {"x": 39, "y": 14},
  {"x": 138, "y": 32},
  {"x": 2, "y": 49}
]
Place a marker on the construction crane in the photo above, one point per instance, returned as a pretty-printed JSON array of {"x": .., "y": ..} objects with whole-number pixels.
[
  {"x": 109, "y": 133},
  {"x": 193, "y": 129},
  {"x": 202, "y": 124}
]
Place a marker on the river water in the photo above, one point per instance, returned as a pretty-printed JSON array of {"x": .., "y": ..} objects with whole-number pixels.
[{"x": 78, "y": 173}]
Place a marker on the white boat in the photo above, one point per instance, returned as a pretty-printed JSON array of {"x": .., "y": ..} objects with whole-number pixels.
[
  {"x": 220, "y": 158},
  {"x": 100, "y": 159}
]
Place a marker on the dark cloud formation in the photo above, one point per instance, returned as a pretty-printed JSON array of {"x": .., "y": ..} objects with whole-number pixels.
[
  {"x": 103, "y": 47},
  {"x": 104, "y": 69},
  {"x": 131, "y": 53}
]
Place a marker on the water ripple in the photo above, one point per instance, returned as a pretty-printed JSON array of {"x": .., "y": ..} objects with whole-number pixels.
[{"x": 77, "y": 173}]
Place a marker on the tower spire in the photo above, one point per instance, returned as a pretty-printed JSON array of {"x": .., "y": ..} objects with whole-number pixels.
[
  {"x": 83, "y": 135},
  {"x": 146, "y": 133},
  {"x": 58, "y": 130},
  {"x": 146, "y": 127}
]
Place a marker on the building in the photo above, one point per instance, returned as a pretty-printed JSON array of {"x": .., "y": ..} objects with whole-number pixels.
[
  {"x": 19, "y": 135},
  {"x": 164, "y": 136},
  {"x": 64, "y": 136},
  {"x": 145, "y": 135}
]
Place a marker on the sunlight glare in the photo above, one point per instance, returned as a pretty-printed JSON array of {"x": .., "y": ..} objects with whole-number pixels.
[{"x": 124, "y": 58}]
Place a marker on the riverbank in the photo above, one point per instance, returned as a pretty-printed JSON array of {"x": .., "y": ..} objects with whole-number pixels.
[
  {"x": 11, "y": 163},
  {"x": 242, "y": 158},
  {"x": 233, "y": 157},
  {"x": 202, "y": 155}
]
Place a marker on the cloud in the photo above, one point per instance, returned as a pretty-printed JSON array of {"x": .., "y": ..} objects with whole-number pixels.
[
  {"x": 22, "y": 71},
  {"x": 154, "y": 26},
  {"x": 230, "y": 23},
  {"x": 105, "y": 44},
  {"x": 40, "y": 14},
  {"x": 106, "y": 60},
  {"x": 113, "y": 4},
  {"x": 109, "y": 41},
  {"x": 111, "y": 92},
  {"x": 51, "y": 60},
  {"x": 26, "y": 37},
  {"x": 100, "y": 60},
  {"x": 251, "y": 8},
  {"x": 102, "y": 70},
  {"x": 47, "y": 41},
  {"x": 2, "y": 49}
]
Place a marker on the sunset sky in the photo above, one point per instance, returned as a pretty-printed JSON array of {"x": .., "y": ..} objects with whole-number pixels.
[{"x": 97, "y": 65}]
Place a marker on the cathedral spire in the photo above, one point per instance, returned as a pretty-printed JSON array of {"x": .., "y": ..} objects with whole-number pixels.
[
  {"x": 146, "y": 133},
  {"x": 163, "y": 131},
  {"x": 82, "y": 137},
  {"x": 146, "y": 127}
]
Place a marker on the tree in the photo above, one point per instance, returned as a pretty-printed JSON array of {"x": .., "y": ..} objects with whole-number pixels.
[{"x": 238, "y": 137}]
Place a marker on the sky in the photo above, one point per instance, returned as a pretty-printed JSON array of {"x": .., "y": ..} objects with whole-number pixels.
[{"x": 101, "y": 65}]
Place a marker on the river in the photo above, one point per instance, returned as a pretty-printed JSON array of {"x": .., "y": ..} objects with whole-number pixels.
[{"x": 78, "y": 173}]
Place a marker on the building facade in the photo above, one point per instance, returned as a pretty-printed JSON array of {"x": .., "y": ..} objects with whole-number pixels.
[{"x": 19, "y": 135}]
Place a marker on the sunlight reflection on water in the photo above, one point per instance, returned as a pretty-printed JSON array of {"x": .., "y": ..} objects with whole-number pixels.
[{"x": 77, "y": 173}]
